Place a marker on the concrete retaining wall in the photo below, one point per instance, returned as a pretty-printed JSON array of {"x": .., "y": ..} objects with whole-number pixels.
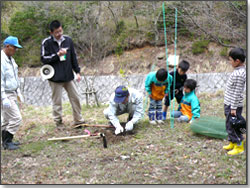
[{"x": 37, "y": 92}]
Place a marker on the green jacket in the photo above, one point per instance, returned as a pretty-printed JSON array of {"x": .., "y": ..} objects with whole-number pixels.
[
  {"x": 155, "y": 88},
  {"x": 190, "y": 105}
]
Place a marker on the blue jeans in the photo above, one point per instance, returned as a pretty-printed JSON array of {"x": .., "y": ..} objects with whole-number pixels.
[
  {"x": 180, "y": 116},
  {"x": 155, "y": 110}
]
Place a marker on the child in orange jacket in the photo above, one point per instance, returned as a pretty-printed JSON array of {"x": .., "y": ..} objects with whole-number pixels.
[{"x": 157, "y": 85}]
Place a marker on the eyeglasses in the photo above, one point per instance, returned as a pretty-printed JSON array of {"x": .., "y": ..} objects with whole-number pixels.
[{"x": 58, "y": 32}]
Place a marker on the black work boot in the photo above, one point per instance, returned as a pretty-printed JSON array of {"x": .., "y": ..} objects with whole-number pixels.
[
  {"x": 4, "y": 136},
  {"x": 7, "y": 143}
]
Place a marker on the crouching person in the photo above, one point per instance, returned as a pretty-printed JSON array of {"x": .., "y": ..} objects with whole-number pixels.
[
  {"x": 189, "y": 107},
  {"x": 10, "y": 92},
  {"x": 124, "y": 100}
]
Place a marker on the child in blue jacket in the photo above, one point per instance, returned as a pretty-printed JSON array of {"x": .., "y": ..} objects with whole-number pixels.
[
  {"x": 157, "y": 84},
  {"x": 189, "y": 107}
]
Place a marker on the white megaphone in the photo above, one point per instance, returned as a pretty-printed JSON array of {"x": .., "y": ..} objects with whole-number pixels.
[{"x": 47, "y": 72}]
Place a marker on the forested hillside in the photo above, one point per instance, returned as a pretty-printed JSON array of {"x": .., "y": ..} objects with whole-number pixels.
[{"x": 103, "y": 28}]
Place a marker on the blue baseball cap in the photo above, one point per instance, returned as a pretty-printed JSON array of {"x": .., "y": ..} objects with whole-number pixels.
[
  {"x": 12, "y": 41},
  {"x": 121, "y": 92}
]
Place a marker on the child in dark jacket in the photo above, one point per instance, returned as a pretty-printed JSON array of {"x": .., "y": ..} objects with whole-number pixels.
[
  {"x": 157, "y": 84},
  {"x": 180, "y": 78},
  {"x": 189, "y": 107},
  {"x": 233, "y": 100}
]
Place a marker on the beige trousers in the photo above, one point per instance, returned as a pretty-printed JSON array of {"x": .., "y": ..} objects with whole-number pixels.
[
  {"x": 71, "y": 90},
  {"x": 11, "y": 117}
]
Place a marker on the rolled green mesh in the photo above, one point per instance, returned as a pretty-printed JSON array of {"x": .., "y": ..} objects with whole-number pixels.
[{"x": 210, "y": 126}]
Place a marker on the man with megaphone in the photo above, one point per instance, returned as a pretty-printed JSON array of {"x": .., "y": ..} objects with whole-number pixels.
[{"x": 59, "y": 59}]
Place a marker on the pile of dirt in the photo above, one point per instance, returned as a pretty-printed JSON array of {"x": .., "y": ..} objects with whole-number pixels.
[
  {"x": 114, "y": 139},
  {"x": 108, "y": 132}
]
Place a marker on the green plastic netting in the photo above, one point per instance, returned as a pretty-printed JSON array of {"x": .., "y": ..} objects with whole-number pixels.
[{"x": 210, "y": 126}]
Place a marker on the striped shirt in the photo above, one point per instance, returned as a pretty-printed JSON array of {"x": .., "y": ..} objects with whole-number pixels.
[{"x": 235, "y": 88}]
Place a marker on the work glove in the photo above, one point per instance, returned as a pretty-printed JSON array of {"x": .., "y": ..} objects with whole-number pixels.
[
  {"x": 129, "y": 126},
  {"x": 6, "y": 103},
  {"x": 19, "y": 96},
  {"x": 118, "y": 129}
]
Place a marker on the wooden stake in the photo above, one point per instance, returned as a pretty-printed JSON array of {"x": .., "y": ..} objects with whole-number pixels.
[
  {"x": 87, "y": 97},
  {"x": 88, "y": 125},
  {"x": 73, "y": 137}
]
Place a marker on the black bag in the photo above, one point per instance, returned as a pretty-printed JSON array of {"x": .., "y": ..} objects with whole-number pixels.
[{"x": 239, "y": 124}]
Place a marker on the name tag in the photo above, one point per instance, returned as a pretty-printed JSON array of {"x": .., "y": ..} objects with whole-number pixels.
[{"x": 63, "y": 58}]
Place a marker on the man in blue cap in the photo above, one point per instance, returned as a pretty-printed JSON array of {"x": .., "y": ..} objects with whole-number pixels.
[
  {"x": 10, "y": 93},
  {"x": 124, "y": 100}
]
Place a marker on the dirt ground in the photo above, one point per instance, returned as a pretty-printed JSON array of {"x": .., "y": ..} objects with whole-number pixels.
[{"x": 151, "y": 154}]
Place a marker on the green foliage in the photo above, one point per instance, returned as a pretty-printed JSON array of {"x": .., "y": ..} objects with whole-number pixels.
[
  {"x": 169, "y": 18},
  {"x": 29, "y": 21},
  {"x": 122, "y": 72},
  {"x": 183, "y": 31},
  {"x": 223, "y": 52},
  {"x": 22, "y": 24},
  {"x": 241, "y": 5},
  {"x": 199, "y": 47},
  {"x": 29, "y": 55},
  {"x": 119, "y": 49},
  {"x": 31, "y": 27},
  {"x": 225, "y": 41},
  {"x": 120, "y": 27},
  {"x": 150, "y": 35},
  {"x": 8, "y": 9},
  {"x": 120, "y": 37},
  {"x": 170, "y": 21},
  {"x": 3, "y": 36}
]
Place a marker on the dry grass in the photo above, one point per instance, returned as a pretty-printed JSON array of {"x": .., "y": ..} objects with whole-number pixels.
[
  {"x": 150, "y": 155},
  {"x": 140, "y": 60}
]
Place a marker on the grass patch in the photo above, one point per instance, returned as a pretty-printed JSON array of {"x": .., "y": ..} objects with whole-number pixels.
[
  {"x": 153, "y": 154},
  {"x": 34, "y": 148},
  {"x": 200, "y": 47},
  {"x": 223, "y": 52}
]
